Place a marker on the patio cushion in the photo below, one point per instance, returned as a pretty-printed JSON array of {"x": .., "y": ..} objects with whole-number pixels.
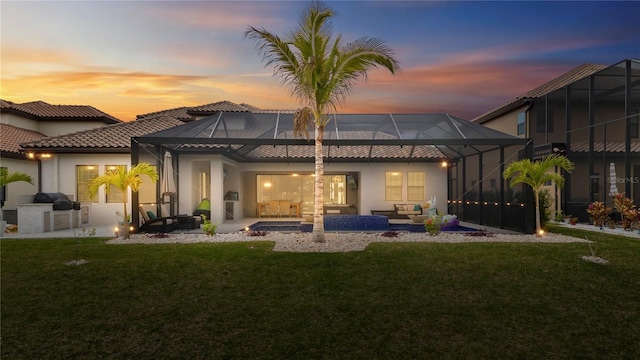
[
  {"x": 151, "y": 215},
  {"x": 205, "y": 204}
]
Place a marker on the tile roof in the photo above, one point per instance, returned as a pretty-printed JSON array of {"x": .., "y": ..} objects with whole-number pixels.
[
  {"x": 267, "y": 111},
  {"x": 116, "y": 137},
  {"x": 11, "y": 137},
  {"x": 44, "y": 111},
  {"x": 180, "y": 113},
  {"x": 188, "y": 113},
  {"x": 225, "y": 106},
  {"x": 570, "y": 77}
]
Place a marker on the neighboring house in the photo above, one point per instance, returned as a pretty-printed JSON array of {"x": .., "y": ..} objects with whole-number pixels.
[
  {"x": 590, "y": 114},
  {"x": 239, "y": 157},
  {"x": 34, "y": 121}
]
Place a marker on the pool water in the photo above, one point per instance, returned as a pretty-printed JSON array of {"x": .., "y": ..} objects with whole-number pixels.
[{"x": 294, "y": 226}]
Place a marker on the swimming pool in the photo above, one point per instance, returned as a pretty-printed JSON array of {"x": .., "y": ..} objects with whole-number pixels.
[{"x": 294, "y": 226}]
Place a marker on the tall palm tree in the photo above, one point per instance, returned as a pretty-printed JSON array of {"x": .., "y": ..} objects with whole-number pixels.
[
  {"x": 320, "y": 70},
  {"x": 123, "y": 179},
  {"x": 6, "y": 178},
  {"x": 536, "y": 174}
]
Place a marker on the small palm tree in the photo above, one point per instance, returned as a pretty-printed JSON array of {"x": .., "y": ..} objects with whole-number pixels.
[
  {"x": 320, "y": 70},
  {"x": 6, "y": 178},
  {"x": 123, "y": 179},
  {"x": 536, "y": 174}
]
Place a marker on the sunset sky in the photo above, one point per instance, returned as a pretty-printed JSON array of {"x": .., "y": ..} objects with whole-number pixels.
[{"x": 465, "y": 58}]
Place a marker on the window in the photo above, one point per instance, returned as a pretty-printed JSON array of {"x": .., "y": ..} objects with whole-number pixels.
[
  {"x": 334, "y": 189},
  {"x": 393, "y": 186},
  {"x": 203, "y": 184},
  {"x": 415, "y": 186},
  {"x": 84, "y": 174},
  {"x": 544, "y": 123},
  {"x": 114, "y": 195},
  {"x": 522, "y": 124},
  {"x": 300, "y": 188}
]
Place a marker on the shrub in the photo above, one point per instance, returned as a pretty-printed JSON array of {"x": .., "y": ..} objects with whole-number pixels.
[
  {"x": 434, "y": 225},
  {"x": 207, "y": 226},
  {"x": 627, "y": 209},
  {"x": 599, "y": 212}
]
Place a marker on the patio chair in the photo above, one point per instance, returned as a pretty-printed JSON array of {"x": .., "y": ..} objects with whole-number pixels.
[
  {"x": 204, "y": 208},
  {"x": 274, "y": 207},
  {"x": 284, "y": 208},
  {"x": 154, "y": 224}
]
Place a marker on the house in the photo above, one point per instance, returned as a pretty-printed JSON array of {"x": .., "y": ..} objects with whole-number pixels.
[
  {"x": 590, "y": 114},
  {"x": 33, "y": 121},
  {"x": 240, "y": 157}
]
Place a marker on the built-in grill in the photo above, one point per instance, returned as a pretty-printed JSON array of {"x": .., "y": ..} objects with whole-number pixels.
[{"x": 59, "y": 200}]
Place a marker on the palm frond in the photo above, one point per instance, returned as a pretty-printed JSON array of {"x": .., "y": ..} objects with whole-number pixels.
[
  {"x": 302, "y": 120},
  {"x": 6, "y": 177}
]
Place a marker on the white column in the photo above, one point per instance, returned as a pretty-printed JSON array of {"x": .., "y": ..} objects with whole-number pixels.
[{"x": 217, "y": 191}]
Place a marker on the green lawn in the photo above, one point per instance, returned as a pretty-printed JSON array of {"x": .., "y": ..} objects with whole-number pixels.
[{"x": 391, "y": 301}]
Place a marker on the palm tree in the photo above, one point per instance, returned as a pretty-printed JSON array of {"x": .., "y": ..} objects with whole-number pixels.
[
  {"x": 320, "y": 70},
  {"x": 536, "y": 174},
  {"x": 6, "y": 178},
  {"x": 123, "y": 179}
]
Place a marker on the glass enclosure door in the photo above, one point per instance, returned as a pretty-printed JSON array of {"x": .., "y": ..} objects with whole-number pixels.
[{"x": 299, "y": 188}]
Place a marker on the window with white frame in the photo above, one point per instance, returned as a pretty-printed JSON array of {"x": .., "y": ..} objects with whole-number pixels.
[
  {"x": 84, "y": 175},
  {"x": 114, "y": 195},
  {"x": 393, "y": 186},
  {"x": 415, "y": 186},
  {"x": 521, "y": 126}
]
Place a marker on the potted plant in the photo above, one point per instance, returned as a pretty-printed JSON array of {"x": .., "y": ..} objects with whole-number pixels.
[
  {"x": 5, "y": 179},
  {"x": 573, "y": 220}
]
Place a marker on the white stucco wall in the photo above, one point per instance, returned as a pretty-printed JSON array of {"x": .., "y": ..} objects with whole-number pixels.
[
  {"x": 55, "y": 128},
  {"x": 19, "y": 121},
  {"x": 59, "y": 175},
  {"x": 14, "y": 190},
  {"x": 371, "y": 181},
  {"x": 50, "y": 127}
]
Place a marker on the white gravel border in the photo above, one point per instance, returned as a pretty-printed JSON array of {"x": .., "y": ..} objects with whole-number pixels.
[{"x": 338, "y": 242}]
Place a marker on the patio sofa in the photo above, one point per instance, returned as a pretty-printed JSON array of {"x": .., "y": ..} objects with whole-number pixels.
[{"x": 407, "y": 210}]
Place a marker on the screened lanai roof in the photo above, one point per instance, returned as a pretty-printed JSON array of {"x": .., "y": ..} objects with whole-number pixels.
[{"x": 251, "y": 137}]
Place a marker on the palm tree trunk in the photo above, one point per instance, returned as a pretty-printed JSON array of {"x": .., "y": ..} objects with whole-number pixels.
[
  {"x": 125, "y": 223},
  {"x": 538, "y": 226},
  {"x": 318, "y": 202}
]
